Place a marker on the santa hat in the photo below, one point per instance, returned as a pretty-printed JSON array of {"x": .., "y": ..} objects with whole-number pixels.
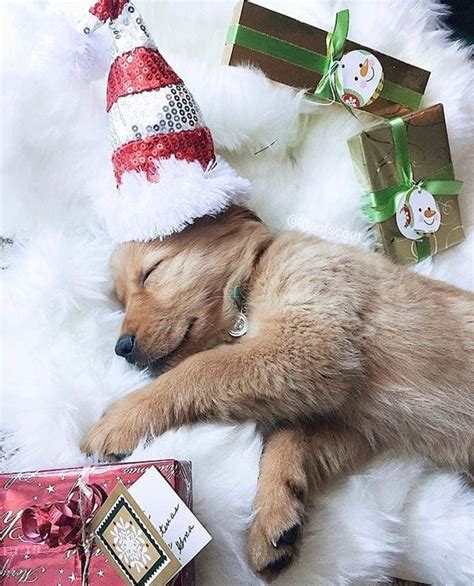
[{"x": 166, "y": 170}]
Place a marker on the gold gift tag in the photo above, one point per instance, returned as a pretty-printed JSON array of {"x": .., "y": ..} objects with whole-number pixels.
[{"x": 131, "y": 543}]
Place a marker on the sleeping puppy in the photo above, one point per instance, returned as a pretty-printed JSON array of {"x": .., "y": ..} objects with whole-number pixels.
[{"x": 346, "y": 356}]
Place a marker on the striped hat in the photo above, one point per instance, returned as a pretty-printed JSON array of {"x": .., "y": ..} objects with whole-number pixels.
[{"x": 166, "y": 170}]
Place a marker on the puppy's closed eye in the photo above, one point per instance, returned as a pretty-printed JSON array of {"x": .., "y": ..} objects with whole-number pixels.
[{"x": 148, "y": 272}]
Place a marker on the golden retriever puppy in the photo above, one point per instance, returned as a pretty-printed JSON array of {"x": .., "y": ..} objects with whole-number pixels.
[{"x": 346, "y": 356}]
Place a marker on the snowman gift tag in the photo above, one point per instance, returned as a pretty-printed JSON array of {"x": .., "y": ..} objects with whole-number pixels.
[
  {"x": 360, "y": 78},
  {"x": 418, "y": 214}
]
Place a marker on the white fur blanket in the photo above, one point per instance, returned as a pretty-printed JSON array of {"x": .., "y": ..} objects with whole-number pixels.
[{"x": 60, "y": 321}]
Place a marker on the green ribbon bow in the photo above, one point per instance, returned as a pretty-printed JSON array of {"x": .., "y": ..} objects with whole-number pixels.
[
  {"x": 382, "y": 204},
  {"x": 330, "y": 86}
]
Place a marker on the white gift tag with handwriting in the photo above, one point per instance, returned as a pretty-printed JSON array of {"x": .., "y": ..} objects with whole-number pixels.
[{"x": 174, "y": 521}]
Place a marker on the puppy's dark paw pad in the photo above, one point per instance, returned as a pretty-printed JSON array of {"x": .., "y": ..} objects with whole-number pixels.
[
  {"x": 290, "y": 536},
  {"x": 278, "y": 565}
]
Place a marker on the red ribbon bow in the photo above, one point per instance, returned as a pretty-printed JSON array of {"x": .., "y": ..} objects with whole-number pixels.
[{"x": 63, "y": 522}]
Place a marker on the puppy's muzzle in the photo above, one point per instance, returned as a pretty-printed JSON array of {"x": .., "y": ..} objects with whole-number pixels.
[{"x": 126, "y": 347}]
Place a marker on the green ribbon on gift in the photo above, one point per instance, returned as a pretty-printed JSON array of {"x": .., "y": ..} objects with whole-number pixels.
[
  {"x": 382, "y": 204},
  {"x": 330, "y": 86},
  {"x": 324, "y": 65}
]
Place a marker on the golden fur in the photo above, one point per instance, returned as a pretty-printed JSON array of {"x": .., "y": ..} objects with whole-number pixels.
[{"x": 347, "y": 356}]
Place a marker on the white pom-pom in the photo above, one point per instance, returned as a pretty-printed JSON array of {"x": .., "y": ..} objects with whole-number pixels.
[{"x": 66, "y": 51}]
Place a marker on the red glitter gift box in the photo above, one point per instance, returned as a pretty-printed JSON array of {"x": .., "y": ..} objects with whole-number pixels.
[{"x": 24, "y": 562}]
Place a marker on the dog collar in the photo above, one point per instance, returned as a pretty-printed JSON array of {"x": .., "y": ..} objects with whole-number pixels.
[{"x": 241, "y": 325}]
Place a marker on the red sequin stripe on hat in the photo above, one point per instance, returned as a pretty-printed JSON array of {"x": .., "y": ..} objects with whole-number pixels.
[
  {"x": 105, "y": 9},
  {"x": 141, "y": 155},
  {"x": 138, "y": 71}
]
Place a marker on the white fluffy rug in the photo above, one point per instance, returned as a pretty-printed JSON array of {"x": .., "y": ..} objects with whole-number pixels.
[{"x": 60, "y": 321}]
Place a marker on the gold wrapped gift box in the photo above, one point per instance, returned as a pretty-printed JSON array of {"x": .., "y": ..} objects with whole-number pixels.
[
  {"x": 288, "y": 51},
  {"x": 373, "y": 156}
]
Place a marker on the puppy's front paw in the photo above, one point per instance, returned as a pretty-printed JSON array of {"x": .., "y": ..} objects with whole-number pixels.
[
  {"x": 275, "y": 531},
  {"x": 120, "y": 430}
]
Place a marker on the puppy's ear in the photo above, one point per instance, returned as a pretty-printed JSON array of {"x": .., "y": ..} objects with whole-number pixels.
[
  {"x": 251, "y": 238},
  {"x": 236, "y": 219},
  {"x": 244, "y": 214}
]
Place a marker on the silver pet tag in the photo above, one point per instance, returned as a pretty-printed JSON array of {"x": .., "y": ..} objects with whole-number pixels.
[{"x": 240, "y": 326}]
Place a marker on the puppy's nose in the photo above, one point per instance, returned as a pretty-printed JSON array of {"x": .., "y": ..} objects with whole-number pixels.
[{"x": 125, "y": 345}]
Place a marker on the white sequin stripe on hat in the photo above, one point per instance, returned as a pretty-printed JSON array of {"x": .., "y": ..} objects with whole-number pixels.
[
  {"x": 129, "y": 32},
  {"x": 89, "y": 24},
  {"x": 162, "y": 111}
]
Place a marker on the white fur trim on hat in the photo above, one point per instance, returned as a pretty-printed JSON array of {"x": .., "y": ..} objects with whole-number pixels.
[{"x": 141, "y": 210}]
